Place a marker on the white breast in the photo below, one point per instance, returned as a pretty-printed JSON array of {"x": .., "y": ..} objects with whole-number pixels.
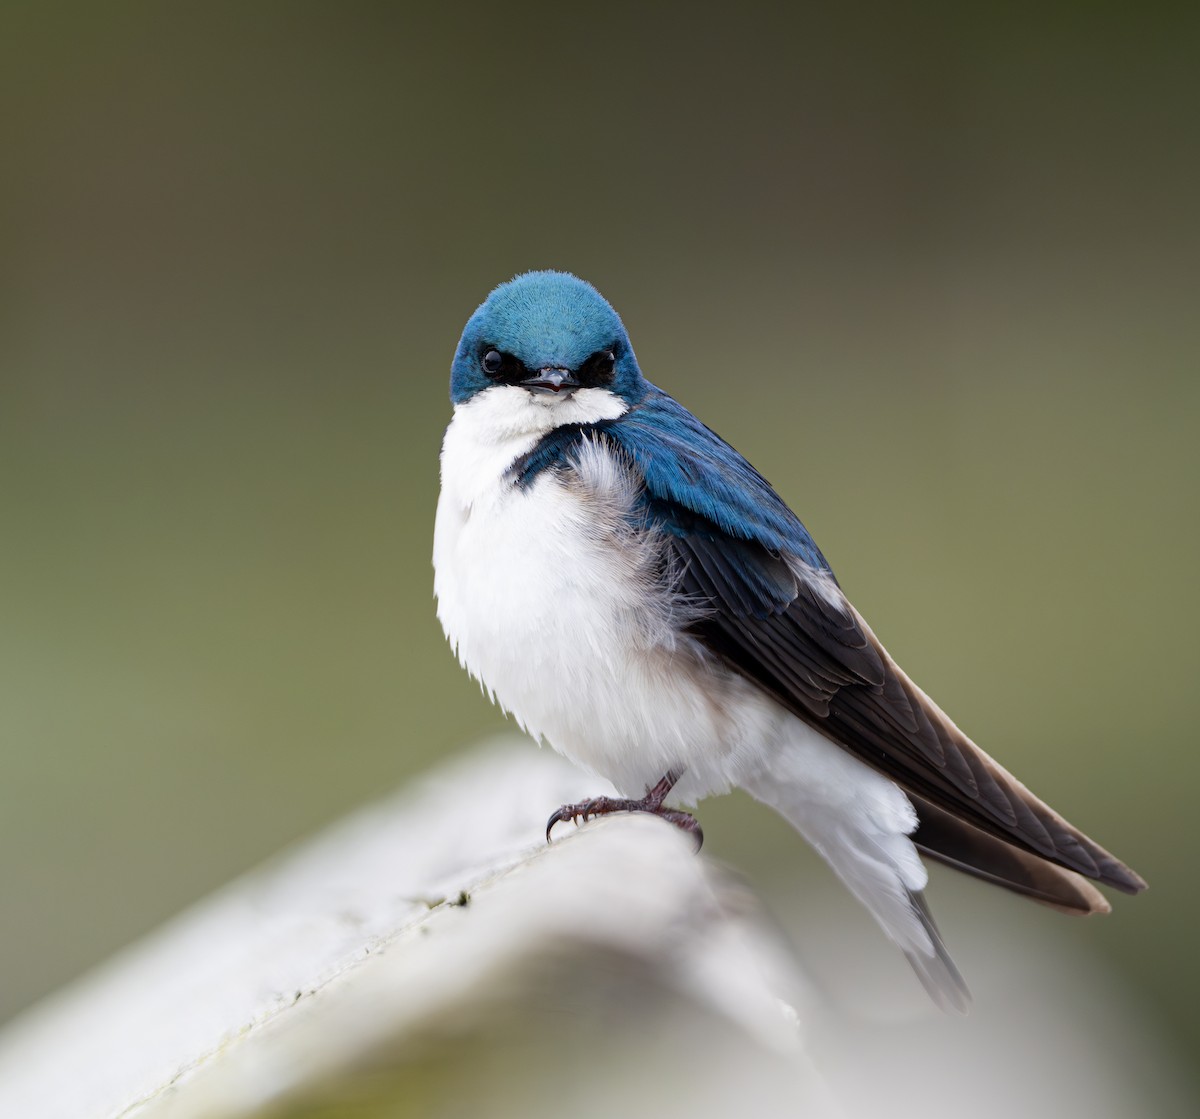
[{"x": 549, "y": 598}]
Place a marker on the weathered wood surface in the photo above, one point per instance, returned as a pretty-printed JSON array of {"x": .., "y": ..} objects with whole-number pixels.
[
  {"x": 431, "y": 957},
  {"x": 428, "y": 927}
]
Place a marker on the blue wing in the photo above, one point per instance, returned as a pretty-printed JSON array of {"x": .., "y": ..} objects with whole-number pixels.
[
  {"x": 694, "y": 480},
  {"x": 688, "y": 467},
  {"x": 772, "y": 611},
  {"x": 746, "y": 558}
]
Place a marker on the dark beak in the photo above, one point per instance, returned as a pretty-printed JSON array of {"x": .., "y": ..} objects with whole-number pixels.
[{"x": 552, "y": 380}]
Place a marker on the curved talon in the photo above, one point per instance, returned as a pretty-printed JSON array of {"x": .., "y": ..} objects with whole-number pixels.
[
  {"x": 578, "y": 814},
  {"x": 558, "y": 817},
  {"x": 688, "y": 823}
]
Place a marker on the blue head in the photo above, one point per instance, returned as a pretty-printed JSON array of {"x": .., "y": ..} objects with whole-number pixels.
[{"x": 546, "y": 333}]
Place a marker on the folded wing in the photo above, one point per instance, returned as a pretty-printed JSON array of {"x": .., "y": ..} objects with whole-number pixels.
[{"x": 770, "y": 607}]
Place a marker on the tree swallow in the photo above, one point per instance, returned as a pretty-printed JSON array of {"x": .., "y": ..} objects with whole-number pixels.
[{"x": 635, "y": 593}]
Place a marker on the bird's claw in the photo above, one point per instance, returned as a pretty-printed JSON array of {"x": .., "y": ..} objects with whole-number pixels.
[
  {"x": 580, "y": 813},
  {"x": 586, "y": 810}
]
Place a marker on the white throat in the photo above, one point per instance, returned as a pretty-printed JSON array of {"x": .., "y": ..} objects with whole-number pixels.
[{"x": 492, "y": 429}]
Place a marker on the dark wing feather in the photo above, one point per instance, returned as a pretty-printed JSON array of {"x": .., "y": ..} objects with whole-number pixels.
[
  {"x": 956, "y": 843},
  {"x": 770, "y": 607},
  {"x": 820, "y": 660}
]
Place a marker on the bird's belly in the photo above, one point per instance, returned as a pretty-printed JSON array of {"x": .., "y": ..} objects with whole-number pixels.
[{"x": 570, "y": 634}]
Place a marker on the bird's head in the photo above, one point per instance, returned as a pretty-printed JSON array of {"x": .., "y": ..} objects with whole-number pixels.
[{"x": 552, "y": 337}]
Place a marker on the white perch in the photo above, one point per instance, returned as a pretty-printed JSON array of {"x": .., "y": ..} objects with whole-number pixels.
[{"x": 431, "y": 956}]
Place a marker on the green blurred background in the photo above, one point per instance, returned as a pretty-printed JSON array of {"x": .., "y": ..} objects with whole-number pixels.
[{"x": 933, "y": 269}]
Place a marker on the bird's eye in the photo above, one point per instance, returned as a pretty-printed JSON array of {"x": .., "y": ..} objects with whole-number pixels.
[
  {"x": 492, "y": 362},
  {"x": 600, "y": 366}
]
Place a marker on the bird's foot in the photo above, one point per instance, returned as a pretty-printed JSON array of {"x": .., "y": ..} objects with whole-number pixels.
[{"x": 652, "y": 803}]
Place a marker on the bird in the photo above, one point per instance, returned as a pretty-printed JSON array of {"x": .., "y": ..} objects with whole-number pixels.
[{"x": 634, "y": 593}]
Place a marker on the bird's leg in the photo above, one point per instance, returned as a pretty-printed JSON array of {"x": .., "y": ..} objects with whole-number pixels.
[{"x": 652, "y": 802}]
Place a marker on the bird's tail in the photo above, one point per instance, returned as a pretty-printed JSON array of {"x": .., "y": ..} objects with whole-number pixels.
[
  {"x": 860, "y": 823},
  {"x": 966, "y": 848}
]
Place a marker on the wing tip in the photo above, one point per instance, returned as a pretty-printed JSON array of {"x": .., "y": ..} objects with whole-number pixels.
[
  {"x": 962, "y": 845},
  {"x": 1121, "y": 877}
]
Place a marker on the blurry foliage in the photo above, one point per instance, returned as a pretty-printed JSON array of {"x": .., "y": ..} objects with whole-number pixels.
[{"x": 933, "y": 271}]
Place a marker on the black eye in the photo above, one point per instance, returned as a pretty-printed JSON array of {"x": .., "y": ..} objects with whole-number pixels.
[
  {"x": 492, "y": 362},
  {"x": 599, "y": 367}
]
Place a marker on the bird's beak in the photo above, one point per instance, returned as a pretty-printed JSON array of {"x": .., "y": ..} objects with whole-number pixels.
[{"x": 552, "y": 380}]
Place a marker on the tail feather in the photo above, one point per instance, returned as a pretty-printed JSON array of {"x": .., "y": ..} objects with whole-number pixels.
[
  {"x": 859, "y": 822},
  {"x": 958, "y": 844},
  {"x": 876, "y": 874},
  {"x": 937, "y": 973},
  {"x": 872, "y": 833}
]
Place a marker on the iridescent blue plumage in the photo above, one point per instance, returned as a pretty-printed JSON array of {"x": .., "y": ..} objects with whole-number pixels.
[
  {"x": 694, "y": 482},
  {"x": 688, "y": 467},
  {"x": 544, "y": 319}
]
